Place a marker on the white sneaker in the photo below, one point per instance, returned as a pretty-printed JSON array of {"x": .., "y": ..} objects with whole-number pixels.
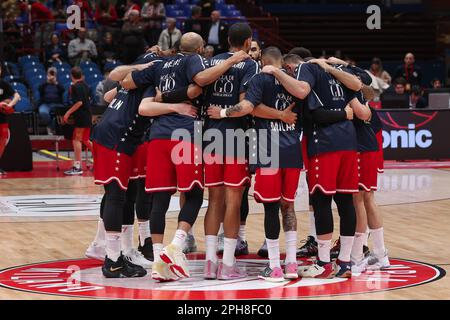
[
  {"x": 174, "y": 257},
  {"x": 96, "y": 251},
  {"x": 135, "y": 257},
  {"x": 377, "y": 263},
  {"x": 359, "y": 266},
  {"x": 161, "y": 272}
]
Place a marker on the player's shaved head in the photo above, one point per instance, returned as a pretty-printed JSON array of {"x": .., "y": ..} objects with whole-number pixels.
[
  {"x": 191, "y": 42},
  {"x": 292, "y": 59},
  {"x": 273, "y": 54},
  {"x": 302, "y": 52}
]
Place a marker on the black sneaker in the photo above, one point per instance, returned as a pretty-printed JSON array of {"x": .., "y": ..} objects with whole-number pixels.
[
  {"x": 263, "y": 252},
  {"x": 241, "y": 248},
  {"x": 309, "y": 249},
  {"x": 2, "y": 172},
  {"x": 73, "y": 172},
  {"x": 147, "y": 249},
  {"x": 121, "y": 269},
  {"x": 334, "y": 253},
  {"x": 366, "y": 251}
]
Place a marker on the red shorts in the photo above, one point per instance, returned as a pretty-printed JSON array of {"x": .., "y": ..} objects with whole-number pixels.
[
  {"x": 4, "y": 132},
  {"x": 380, "y": 154},
  {"x": 305, "y": 152},
  {"x": 170, "y": 173},
  {"x": 367, "y": 170},
  {"x": 140, "y": 162},
  {"x": 333, "y": 172},
  {"x": 81, "y": 134},
  {"x": 226, "y": 171},
  {"x": 110, "y": 165},
  {"x": 272, "y": 184}
]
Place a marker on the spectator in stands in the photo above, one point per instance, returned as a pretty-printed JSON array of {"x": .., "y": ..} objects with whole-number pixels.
[
  {"x": 170, "y": 35},
  {"x": 436, "y": 83},
  {"x": 155, "y": 12},
  {"x": 86, "y": 10},
  {"x": 108, "y": 50},
  {"x": 207, "y": 7},
  {"x": 409, "y": 71},
  {"x": 105, "y": 13},
  {"x": 12, "y": 39},
  {"x": 216, "y": 33},
  {"x": 416, "y": 99},
  {"x": 208, "y": 53},
  {"x": 82, "y": 48},
  {"x": 131, "y": 5},
  {"x": 376, "y": 69},
  {"x": 51, "y": 97},
  {"x": 79, "y": 97},
  {"x": 400, "y": 86},
  {"x": 42, "y": 19},
  {"x": 302, "y": 52},
  {"x": 195, "y": 24},
  {"x": 133, "y": 40},
  {"x": 103, "y": 87},
  {"x": 6, "y": 107},
  {"x": 255, "y": 51},
  {"x": 59, "y": 10},
  {"x": 55, "y": 51}
]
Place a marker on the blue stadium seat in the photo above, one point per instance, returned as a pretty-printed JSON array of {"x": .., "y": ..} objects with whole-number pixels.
[
  {"x": 19, "y": 86},
  {"x": 13, "y": 68},
  {"x": 36, "y": 96},
  {"x": 181, "y": 1},
  {"x": 171, "y": 7},
  {"x": 175, "y": 13},
  {"x": 61, "y": 26},
  {"x": 233, "y": 13},
  {"x": 66, "y": 96},
  {"x": 64, "y": 79},
  {"x": 59, "y": 65},
  {"x": 88, "y": 64},
  {"x": 23, "y": 105},
  {"x": 10, "y": 78},
  {"x": 93, "y": 78},
  {"x": 27, "y": 58},
  {"x": 36, "y": 81}
]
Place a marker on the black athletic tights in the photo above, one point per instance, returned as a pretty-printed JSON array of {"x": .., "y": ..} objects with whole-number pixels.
[
  {"x": 324, "y": 216},
  {"x": 244, "y": 205},
  {"x": 272, "y": 220}
]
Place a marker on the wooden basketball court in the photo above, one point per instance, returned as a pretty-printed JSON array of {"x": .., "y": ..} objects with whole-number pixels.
[{"x": 415, "y": 203}]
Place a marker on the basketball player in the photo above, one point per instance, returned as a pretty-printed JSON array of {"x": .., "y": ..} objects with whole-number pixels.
[
  {"x": 332, "y": 169},
  {"x": 167, "y": 174},
  {"x": 79, "y": 95},
  {"x": 226, "y": 172},
  {"x": 6, "y": 107}
]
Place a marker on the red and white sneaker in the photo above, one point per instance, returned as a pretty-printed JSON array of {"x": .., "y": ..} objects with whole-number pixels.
[
  {"x": 319, "y": 269},
  {"x": 291, "y": 271},
  {"x": 174, "y": 257}
]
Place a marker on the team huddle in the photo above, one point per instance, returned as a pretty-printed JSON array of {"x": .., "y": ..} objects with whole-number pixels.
[{"x": 184, "y": 123}]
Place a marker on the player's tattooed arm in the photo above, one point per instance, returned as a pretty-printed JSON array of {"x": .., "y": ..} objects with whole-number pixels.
[
  {"x": 241, "y": 109},
  {"x": 150, "y": 108},
  {"x": 265, "y": 112},
  {"x": 288, "y": 216},
  {"x": 299, "y": 89}
]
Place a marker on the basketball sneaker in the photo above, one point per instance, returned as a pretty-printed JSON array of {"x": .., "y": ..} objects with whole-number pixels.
[
  {"x": 176, "y": 260},
  {"x": 96, "y": 251},
  {"x": 2, "y": 172},
  {"x": 220, "y": 243},
  {"x": 342, "y": 269},
  {"x": 137, "y": 258},
  {"x": 210, "y": 270},
  {"x": 147, "y": 249},
  {"x": 319, "y": 269},
  {"x": 272, "y": 275},
  {"x": 241, "y": 248},
  {"x": 377, "y": 263},
  {"x": 334, "y": 252},
  {"x": 73, "y": 172},
  {"x": 122, "y": 268},
  {"x": 291, "y": 271},
  {"x": 359, "y": 266},
  {"x": 263, "y": 252},
  {"x": 309, "y": 249},
  {"x": 189, "y": 244},
  {"x": 162, "y": 273},
  {"x": 233, "y": 272}
]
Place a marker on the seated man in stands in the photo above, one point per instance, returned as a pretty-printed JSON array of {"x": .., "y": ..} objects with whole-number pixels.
[
  {"x": 51, "y": 97},
  {"x": 81, "y": 48},
  {"x": 416, "y": 100}
]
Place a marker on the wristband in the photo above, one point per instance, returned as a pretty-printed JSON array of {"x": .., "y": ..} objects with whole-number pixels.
[{"x": 223, "y": 113}]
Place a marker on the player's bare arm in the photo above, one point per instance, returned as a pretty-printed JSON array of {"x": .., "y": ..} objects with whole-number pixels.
[
  {"x": 121, "y": 72},
  {"x": 265, "y": 112},
  {"x": 239, "y": 110},
  {"x": 150, "y": 108},
  {"x": 210, "y": 75},
  {"x": 72, "y": 109},
  {"x": 349, "y": 80},
  {"x": 184, "y": 94},
  {"x": 299, "y": 89},
  {"x": 362, "y": 111},
  {"x": 110, "y": 95},
  {"x": 16, "y": 98}
]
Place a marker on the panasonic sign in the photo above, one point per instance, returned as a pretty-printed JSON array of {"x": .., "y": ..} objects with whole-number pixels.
[{"x": 410, "y": 138}]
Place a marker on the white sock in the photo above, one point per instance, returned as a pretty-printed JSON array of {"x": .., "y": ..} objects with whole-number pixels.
[
  {"x": 229, "y": 245},
  {"x": 127, "y": 238},
  {"x": 100, "y": 236},
  {"x": 312, "y": 225},
  {"x": 291, "y": 246},
  {"x": 357, "y": 250},
  {"x": 157, "y": 248},
  {"x": 324, "y": 247},
  {"x": 366, "y": 237},
  {"x": 190, "y": 232},
  {"x": 113, "y": 245},
  {"x": 221, "y": 228},
  {"x": 242, "y": 232},
  {"x": 179, "y": 238},
  {"x": 273, "y": 247},
  {"x": 378, "y": 242},
  {"x": 144, "y": 231},
  {"x": 211, "y": 248},
  {"x": 346, "y": 248},
  {"x": 77, "y": 164}
]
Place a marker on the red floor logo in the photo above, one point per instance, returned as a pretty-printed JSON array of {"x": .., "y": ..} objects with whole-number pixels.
[{"x": 83, "y": 278}]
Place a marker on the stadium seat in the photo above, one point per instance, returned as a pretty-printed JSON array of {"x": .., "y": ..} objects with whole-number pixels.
[
  {"x": 59, "y": 65},
  {"x": 111, "y": 65},
  {"x": 13, "y": 68},
  {"x": 64, "y": 79},
  {"x": 10, "y": 78},
  {"x": 36, "y": 96},
  {"x": 23, "y": 105},
  {"x": 182, "y": 1},
  {"x": 19, "y": 86},
  {"x": 93, "y": 78},
  {"x": 61, "y": 26},
  {"x": 196, "y": 2},
  {"x": 87, "y": 64},
  {"x": 175, "y": 13},
  {"x": 28, "y": 58},
  {"x": 233, "y": 13}
]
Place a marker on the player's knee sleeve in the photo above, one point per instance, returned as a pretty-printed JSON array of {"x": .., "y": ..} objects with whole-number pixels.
[
  {"x": 113, "y": 209},
  {"x": 192, "y": 205},
  {"x": 347, "y": 213},
  {"x": 161, "y": 201},
  {"x": 143, "y": 201},
  {"x": 102, "y": 206},
  {"x": 130, "y": 199},
  {"x": 272, "y": 220},
  {"x": 322, "y": 212},
  {"x": 244, "y": 205}
]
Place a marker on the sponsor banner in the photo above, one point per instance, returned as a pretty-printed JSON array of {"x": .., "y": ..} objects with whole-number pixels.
[{"x": 415, "y": 134}]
